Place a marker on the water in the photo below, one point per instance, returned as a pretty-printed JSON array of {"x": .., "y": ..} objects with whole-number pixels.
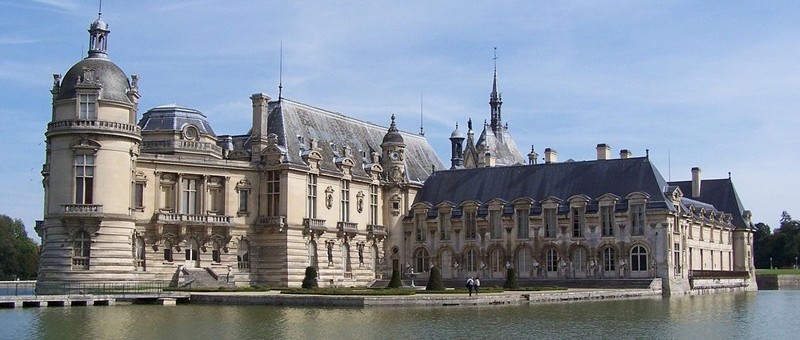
[{"x": 761, "y": 315}]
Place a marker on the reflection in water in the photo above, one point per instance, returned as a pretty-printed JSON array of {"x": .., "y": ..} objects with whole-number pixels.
[{"x": 766, "y": 314}]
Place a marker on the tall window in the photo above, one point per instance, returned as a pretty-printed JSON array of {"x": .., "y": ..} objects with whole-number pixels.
[
  {"x": 523, "y": 259},
  {"x": 215, "y": 197},
  {"x": 244, "y": 194},
  {"x": 81, "y": 250},
  {"x": 470, "y": 225},
  {"x": 273, "y": 193},
  {"x": 638, "y": 259},
  {"x": 444, "y": 226},
  {"x": 84, "y": 179},
  {"x": 577, "y": 222},
  {"x": 243, "y": 255},
  {"x": 167, "y": 192},
  {"x": 421, "y": 260},
  {"x": 523, "y": 228},
  {"x": 579, "y": 259},
  {"x": 607, "y": 219},
  {"x": 420, "y": 228},
  {"x": 311, "y": 196},
  {"x": 344, "y": 215},
  {"x": 470, "y": 261},
  {"x": 608, "y": 259},
  {"x": 496, "y": 260},
  {"x": 496, "y": 218},
  {"x": 551, "y": 257},
  {"x": 549, "y": 222},
  {"x": 87, "y": 107},
  {"x": 138, "y": 195},
  {"x": 637, "y": 219},
  {"x": 189, "y": 196},
  {"x": 373, "y": 204}
]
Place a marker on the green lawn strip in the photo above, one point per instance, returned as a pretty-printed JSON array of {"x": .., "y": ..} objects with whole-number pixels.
[
  {"x": 217, "y": 289},
  {"x": 778, "y": 271},
  {"x": 349, "y": 291}
]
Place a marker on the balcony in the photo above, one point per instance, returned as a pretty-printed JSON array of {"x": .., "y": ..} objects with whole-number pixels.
[
  {"x": 315, "y": 225},
  {"x": 83, "y": 210},
  {"x": 162, "y": 146},
  {"x": 348, "y": 227},
  {"x": 270, "y": 223},
  {"x": 94, "y": 126},
  {"x": 376, "y": 231},
  {"x": 194, "y": 219}
]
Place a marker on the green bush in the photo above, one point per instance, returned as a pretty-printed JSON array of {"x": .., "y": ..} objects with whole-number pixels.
[
  {"x": 310, "y": 281},
  {"x": 435, "y": 280},
  {"x": 349, "y": 291},
  {"x": 395, "y": 281},
  {"x": 511, "y": 279}
]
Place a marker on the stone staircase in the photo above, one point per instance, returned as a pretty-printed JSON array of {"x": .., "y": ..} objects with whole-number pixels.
[{"x": 200, "y": 277}]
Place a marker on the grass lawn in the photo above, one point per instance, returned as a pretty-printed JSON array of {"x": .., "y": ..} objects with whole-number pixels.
[{"x": 778, "y": 271}]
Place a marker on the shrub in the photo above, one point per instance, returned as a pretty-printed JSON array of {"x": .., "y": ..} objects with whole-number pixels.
[
  {"x": 435, "y": 280},
  {"x": 395, "y": 281},
  {"x": 511, "y": 279},
  {"x": 310, "y": 281}
]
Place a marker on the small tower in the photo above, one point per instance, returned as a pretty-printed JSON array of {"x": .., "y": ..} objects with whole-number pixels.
[
  {"x": 394, "y": 148},
  {"x": 496, "y": 101},
  {"x": 457, "y": 149}
]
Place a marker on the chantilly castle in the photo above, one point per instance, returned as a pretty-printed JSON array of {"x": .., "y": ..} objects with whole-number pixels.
[{"x": 162, "y": 196}]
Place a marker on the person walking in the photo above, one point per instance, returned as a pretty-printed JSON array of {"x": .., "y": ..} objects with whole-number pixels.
[
  {"x": 470, "y": 284},
  {"x": 476, "y": 284}
]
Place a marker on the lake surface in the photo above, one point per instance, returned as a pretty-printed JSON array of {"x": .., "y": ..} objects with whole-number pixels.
[{"x": 761, "y": 315}]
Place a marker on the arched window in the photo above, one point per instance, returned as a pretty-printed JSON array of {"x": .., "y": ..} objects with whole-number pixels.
[
  {"x": 638, "y": 258},
  {"x": 168, "y": 251},
  {"x": 81, "y": 250},
  {"x": 421, "y": 263},
  {"x": 243, "y": 255},
  {"x": 496, "y": 262},
  {"x": 608, "y": 259},
  {"x": 312, "y": 254},
  {"x": 579, "y": 259},
  {"x": 523, "y": 260},
  {"x": 551, "y": 257},
  {"x": 470, "y": 261}
]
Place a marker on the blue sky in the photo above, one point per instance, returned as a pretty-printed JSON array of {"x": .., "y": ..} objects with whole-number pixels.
[{"x": 708, "y": 84}]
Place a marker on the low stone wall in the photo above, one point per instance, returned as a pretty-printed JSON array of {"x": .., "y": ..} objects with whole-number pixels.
[{"x": 774, "y": 282}]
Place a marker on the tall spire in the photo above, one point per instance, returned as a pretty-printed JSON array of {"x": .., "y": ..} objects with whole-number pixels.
[
  {"x": 98, "y": 36},
  {"x": 421, "y": 121},
  {"x": 495, "y": 99}
]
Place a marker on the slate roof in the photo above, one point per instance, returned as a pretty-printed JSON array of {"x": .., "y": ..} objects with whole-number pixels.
[
  {"x": 296, "y": 124},
  {"x": 501, "y": 145},
  {"x": 721, "y": 194},
  {"x": 539, "y": 181},
  {"x": 174, "y": 118},
  {"x": 112, "y": 79}
]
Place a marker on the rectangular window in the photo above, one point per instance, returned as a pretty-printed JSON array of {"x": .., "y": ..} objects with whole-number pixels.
[
  {"x": 523, "y": 227},
  {"x": 189, "y": 196},
  {"x": 344, "y": 214},
  {"x": 84, "y": 179},
  {"x": 577, "y": 222},
  {"x": 311, "y": 196},
  {"x": 420, "y": 228},
  {"x": 273, "y": 193},
  {"x": 87, "y": 107},
  {"x": 373, "y": 204},
  {"x": 244, "y": 194},
  {"x": 215, "y": 200},
  {"x": 444, "y": 226},
  {"x": 549, "y": 216},
  {"x": 637, "y": 219},
  {"x": 496, "y": 218},
  {"x": 138, "y": 196},
  {"x": 676, "y": 260},
  {"x": 607, "y": 219},
  {"x": 470, "y": 225}
]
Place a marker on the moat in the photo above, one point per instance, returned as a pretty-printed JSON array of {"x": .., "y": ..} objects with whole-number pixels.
[{"x": 763, "y": 314}]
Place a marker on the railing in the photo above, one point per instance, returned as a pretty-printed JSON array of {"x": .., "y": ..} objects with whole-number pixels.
[
  {"x": 66, "y": 125},
  {"x": 348, "y": 227},
  {"x": 83, "y": 209},
  {"x": 313, "y": 223},
  {"x": 375, "y": 229},
  {"x": 28, "y": 288},
  {"x": 194, "y": 218},
  {"x": 718, "y": 274},
  {"x": 159, "y": 145}
]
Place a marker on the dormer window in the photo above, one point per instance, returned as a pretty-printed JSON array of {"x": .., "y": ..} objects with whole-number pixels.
[{"x": 87, "y": 109}]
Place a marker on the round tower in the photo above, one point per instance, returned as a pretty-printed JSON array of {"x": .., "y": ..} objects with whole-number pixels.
[
  {"x": 92, "y": 145},
  {"x": 456, "y": 149}
]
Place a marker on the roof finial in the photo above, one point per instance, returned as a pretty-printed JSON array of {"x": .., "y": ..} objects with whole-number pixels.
[
  {"x": 729, "y": 175},
  {"x": 100, "y": 10},
  {"x": 421, "y": 131},
  {"x": 647, "y": 153},
  {"x": 280, "y": 75}
]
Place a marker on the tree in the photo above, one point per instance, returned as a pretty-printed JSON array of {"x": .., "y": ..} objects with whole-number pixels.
[
  {"x": 762, "y": 244},
  {"x": 310, "y": 281},
  {"x": 511, "y": 279},
  {"x": 19, "y": 255},
  {"x": 435, "y": 280},
  {"x": 395, "y": 281}
]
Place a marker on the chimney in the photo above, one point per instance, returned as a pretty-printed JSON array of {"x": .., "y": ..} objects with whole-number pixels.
[
  {"x": 488, "y": 160},
  {"x": 695, "y": 182},
  {"x": 259, "y": 134},
  {"x": 603, "y": 152},
  {"x": 625, "y": 154},
  {"x": 550, "y": 156}
]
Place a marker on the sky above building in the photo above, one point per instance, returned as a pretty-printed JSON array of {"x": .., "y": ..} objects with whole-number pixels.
[{"x": 711, "y": 84}]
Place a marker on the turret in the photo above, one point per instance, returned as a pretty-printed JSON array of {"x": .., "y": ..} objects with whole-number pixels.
[
  {"x": 457, "y": 149},
  {"x": 394, "y": 148}
]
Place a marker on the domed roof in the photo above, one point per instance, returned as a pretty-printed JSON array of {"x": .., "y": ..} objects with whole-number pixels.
[
  {"x": 174, "y": 118},
  {"x": 393, "y": 135},
  {"x": 101, "y": 71},
  {"x": 456, "y": 133},
  {"x": 99, "y": 24}
]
